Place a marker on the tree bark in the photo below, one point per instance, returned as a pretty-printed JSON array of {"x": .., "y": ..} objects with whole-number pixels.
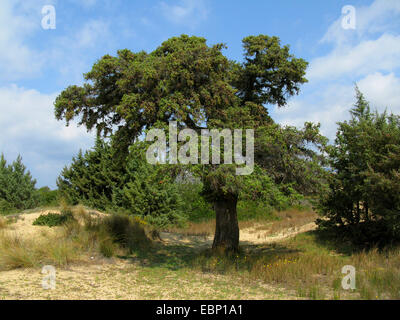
[{"x": 227, "y": 227}]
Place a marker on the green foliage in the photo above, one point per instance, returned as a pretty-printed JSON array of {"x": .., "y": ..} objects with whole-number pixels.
[
  {"x": 17, "y": 188},
  {"x": 292, "y": 157},
  {"x": 364, "y": 193},
  {"x": 254, "y": 210},
  {"x": 187, "y": 81},
  {"x": 137, "y": 188},
  {"x": 192, "y": 204},
  {"x": 6, "y": 207},
  {"x": 53, "y": 219},
  {"x": 148, "y": 191},
  {"x": 92, "y": 177},
  {"x": 270, "y": 74},
  {"x": 47, "y": 197}
]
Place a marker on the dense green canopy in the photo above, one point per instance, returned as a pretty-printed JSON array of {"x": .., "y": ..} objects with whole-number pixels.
[{"x": 187, "y": 81}]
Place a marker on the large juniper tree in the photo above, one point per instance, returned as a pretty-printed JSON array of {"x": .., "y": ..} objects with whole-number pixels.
[{"x": 187, "y": 81}]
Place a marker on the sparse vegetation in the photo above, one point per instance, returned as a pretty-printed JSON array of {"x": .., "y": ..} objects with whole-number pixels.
[
  {"x": 311, "y": 269},
  {"x": 307, "y": 266},
  {"x": 158, "y": 220},
  {"x": 3, "y": 222},
  {"x": 78, "y": 238},
  {"x": 53, "y": 219}
]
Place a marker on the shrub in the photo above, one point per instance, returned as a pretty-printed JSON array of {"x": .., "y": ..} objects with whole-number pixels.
[
  {"x": 6, "y": 207},
  {"x": 107, "y": 247},
  {"x": 92, "y": 177},
  {"x": 254, "y": 210},
  {"x": 53, "y": 219}
]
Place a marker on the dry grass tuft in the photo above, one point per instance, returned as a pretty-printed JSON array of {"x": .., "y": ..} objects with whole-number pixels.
[
  {"x": 17, "y": 253},
  {"x": 86, "y": 235},
  {"x": 3, "y": 223}
]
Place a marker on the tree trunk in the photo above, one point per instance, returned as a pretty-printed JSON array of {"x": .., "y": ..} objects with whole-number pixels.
[{"x": 227, "y": 228}]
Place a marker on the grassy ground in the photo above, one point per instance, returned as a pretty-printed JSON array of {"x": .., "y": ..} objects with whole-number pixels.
[{"x": 277, "y": 261}]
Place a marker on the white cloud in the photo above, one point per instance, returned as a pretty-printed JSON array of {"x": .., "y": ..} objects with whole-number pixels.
[
  {"x": 84, "y": 3},
  {"x": 331, "y": 103},
  {"x": 72, "y": 54},
  {"x": 326, "y": 105},
  {"x": 28, "y": 127},
  {"x": 373, "y": 46},
  {"x": 382, "y": 54},
  {"x": 18, "y": 20},
  {"x": 187, "y": 12},
  {"x": 368, "y": 56},
  {"x": 380, "y": 16},
  {"x": 383, "y": 91}
]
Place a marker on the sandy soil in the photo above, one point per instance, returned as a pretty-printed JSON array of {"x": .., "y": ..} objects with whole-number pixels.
[
  {"x": 124, "y": 279},
  {"x": 24, "y": 229},
  {"x": 248, "y": 236}
]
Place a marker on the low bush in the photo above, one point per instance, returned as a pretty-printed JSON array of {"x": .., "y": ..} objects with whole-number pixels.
[{"x": 53, "y": 219}]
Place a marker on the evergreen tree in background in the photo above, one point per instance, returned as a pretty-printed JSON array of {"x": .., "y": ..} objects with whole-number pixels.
[
  {"x": 364, "y": 194},
  {"x": 47, "y": 197},
  {"x": 17, "y": 188},
  {"x": 149, "y": 191},
  {"x": 92, "y": 177},
  {"x": 136, "y": 187}
]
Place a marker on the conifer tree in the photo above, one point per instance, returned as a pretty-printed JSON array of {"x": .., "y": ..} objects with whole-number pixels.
[
  {"x": 364, "y": 186},
  {"x": 91, "y": 177},
  {"x": 17, "y": 188}
]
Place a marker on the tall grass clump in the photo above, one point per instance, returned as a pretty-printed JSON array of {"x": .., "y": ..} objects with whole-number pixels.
[
  {"x": 127, "y": 231},
  {"x": 83, "y": 236},
  {"x": 3, "y": 223}
]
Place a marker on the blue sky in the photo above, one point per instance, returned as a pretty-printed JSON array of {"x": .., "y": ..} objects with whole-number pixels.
[{"x": 37, "y": 64}]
